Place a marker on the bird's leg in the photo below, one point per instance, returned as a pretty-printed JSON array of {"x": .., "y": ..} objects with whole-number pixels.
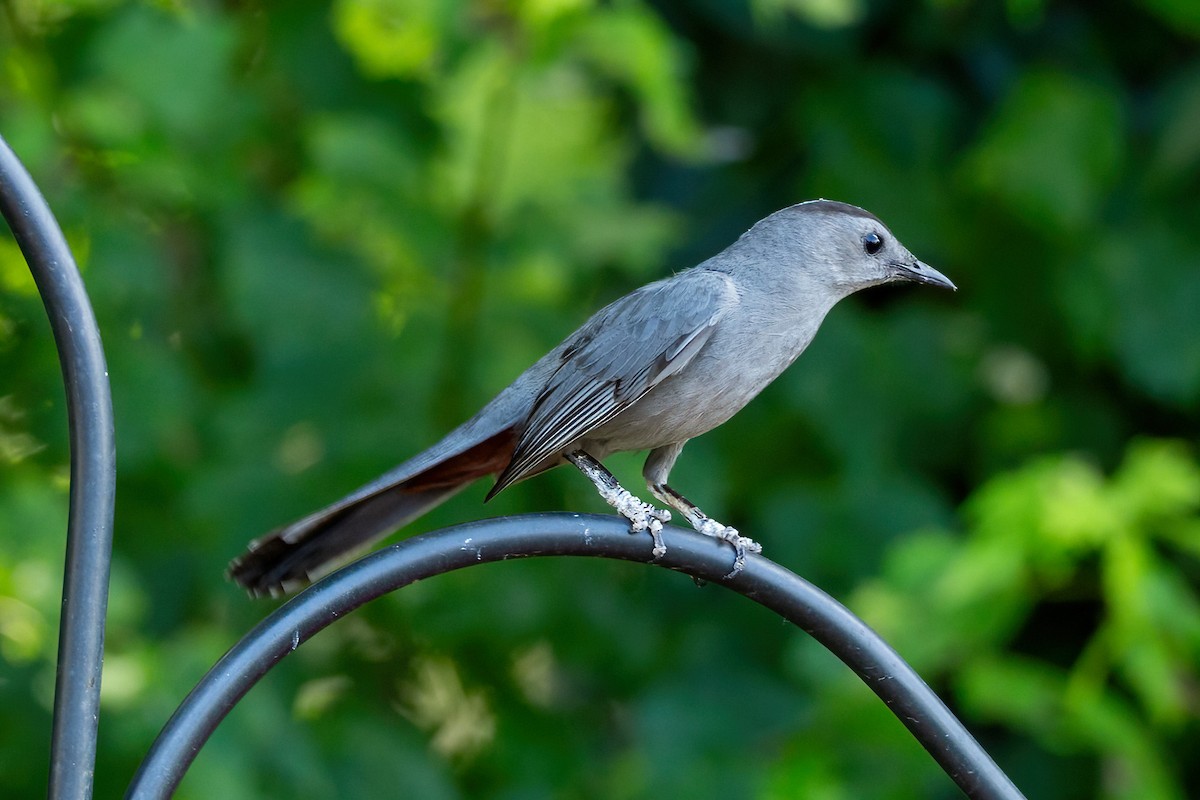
[
  {"x": 658, "y": 465},
  {"x": 707, "y": 525},
  {"x": 641, "y": 515}
]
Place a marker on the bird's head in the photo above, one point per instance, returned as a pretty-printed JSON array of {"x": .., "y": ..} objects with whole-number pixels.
[{"x": 839, "y": 246}]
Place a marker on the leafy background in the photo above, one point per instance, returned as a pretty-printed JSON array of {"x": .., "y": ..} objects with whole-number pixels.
[{"x": 317, "y": 235}]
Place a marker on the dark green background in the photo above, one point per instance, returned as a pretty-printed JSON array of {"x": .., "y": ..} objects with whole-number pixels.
[{"x": 318, "y": 235}]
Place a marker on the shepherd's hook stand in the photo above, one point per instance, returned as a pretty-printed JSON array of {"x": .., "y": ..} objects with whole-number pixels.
[
  {"x": 89, "y": 541},
  {"x": 93, "y": 479}
]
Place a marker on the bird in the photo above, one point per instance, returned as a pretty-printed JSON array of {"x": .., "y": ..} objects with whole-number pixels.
[{"x": 660, "y": 366}]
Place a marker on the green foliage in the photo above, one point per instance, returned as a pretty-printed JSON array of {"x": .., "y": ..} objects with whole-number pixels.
[
  {"x": 1051, "y": 152},
  {"x": 1056, "y": 532},
  {"x": 318, "y": 234}
]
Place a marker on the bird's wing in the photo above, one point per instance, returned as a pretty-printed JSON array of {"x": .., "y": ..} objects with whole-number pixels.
[{"x": 619, "y": 355}]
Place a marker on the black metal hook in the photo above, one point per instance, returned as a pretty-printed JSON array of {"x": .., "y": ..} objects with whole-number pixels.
[
  {"x": 93, "y": 478},
  {"x": 438, "y": 552}
]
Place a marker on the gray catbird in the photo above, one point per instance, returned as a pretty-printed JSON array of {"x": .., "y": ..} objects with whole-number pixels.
[{"x": 661, "y": 365}]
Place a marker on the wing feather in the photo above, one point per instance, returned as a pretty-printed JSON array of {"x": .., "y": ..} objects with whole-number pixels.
[{"x": 618, "y": 356}]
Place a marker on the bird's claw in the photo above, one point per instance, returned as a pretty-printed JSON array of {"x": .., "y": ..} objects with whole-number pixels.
[
  {"x": 741, "y": 544},
  {"x": 642, "y": 517},
  {"x": 660, "y": 548}
]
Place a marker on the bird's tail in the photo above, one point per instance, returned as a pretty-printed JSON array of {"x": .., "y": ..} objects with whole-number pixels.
[{"x": 286, "y": 558}]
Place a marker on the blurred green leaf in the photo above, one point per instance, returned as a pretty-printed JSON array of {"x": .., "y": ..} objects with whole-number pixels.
[
  {"x": 1151, "y": 286},
  {"x": 394, "y": 38},
  {"x": 819, "y": 13},
  {"x": 1182, "y": 15},
  {"x": 174, "y": 68},
  {"x": 1052, "y": 151},
  {"x": 652, "y": 64},
  {"x": 1177, "y": 151}
]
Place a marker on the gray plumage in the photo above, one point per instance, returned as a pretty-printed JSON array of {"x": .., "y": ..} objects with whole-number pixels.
[{"x": 661, "y": 365}]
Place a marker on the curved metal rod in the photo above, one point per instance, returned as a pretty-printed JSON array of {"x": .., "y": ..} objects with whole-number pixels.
[
  {"x": 482, "y": 542},
  {"x": 93, "y": 478}
]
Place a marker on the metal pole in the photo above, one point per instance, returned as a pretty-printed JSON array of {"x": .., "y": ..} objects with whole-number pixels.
[{"x": 93, "y": 479}]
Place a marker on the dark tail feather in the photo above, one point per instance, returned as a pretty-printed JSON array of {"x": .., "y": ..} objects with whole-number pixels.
[{"x": 286, "y": 558}]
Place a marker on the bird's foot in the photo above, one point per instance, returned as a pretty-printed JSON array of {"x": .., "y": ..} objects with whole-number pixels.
[
  {"x": 741, "y": 544},
  {"x": 642, "y": 517}
]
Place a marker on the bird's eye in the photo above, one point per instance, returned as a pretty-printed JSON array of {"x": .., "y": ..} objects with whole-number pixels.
[{"x": 872, "y": 242}]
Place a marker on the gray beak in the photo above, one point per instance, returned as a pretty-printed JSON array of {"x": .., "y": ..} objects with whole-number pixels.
[{"x": 920, "y": 272}]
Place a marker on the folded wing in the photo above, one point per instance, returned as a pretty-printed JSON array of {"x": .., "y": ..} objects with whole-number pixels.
[{"x": 622, "y": 353}]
